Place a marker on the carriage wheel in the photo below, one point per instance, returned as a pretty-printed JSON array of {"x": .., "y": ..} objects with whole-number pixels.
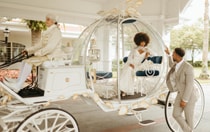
[
  {"x": 49, "y": 120},
  {"x": 199, "y": 108},
  {"x": 11, "y": 126}
]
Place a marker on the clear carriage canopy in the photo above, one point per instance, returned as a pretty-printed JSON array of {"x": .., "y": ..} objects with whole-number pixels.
[{"x": 102, "y": 46}]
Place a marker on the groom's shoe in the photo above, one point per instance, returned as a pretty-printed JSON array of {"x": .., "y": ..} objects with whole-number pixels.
[{"x": 12, "y": 86}]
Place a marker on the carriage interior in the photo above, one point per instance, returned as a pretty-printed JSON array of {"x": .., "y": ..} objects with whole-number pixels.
[{"x": 103, "y": 47}]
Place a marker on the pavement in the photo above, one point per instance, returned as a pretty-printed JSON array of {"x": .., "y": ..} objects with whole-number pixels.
[{"x": 92, "y": 118}]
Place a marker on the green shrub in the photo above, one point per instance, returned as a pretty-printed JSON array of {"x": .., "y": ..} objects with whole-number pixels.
[{"x": 198, "y": 63}]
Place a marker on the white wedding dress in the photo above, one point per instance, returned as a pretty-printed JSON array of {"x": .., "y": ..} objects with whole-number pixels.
[{"x": 126, "y": 80}]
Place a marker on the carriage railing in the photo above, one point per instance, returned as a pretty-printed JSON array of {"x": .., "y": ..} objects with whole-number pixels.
[{"x": 7, "y": 52}]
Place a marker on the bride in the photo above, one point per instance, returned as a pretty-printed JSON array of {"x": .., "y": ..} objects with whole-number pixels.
[{"x": 135, "y": 58}]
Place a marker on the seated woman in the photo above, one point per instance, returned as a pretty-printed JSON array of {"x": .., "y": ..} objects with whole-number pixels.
[
  {"x": 136, "y": 56},
  {"x": 49, "y": 45}
]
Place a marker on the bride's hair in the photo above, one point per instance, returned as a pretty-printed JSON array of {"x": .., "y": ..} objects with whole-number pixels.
[{"x": 141, "y": 37}]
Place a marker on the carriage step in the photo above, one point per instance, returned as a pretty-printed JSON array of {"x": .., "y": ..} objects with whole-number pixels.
[
  {"x": 136, "y": 111},
  {"x": 147, "y": 122},
  {"x": 135, "y": 96},
  {"x": 141, "y": 109},
  {"x": 163, "y": 102}
]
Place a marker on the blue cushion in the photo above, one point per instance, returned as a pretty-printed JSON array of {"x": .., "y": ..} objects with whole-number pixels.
[
  {"x": 154, "y": 59},
  {"x": 147, "y": 73}
]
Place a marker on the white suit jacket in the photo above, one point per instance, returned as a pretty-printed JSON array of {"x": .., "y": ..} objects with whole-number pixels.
[
  {"x": 49, "y": 45},
  {"x": 184, "y": 81}
]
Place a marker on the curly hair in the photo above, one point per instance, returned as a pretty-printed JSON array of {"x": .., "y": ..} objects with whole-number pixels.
[{"x": 141, "y": 37}]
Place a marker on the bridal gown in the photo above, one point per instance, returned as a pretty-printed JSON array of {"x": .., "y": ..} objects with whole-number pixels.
[{"x": 127, "y": 75}]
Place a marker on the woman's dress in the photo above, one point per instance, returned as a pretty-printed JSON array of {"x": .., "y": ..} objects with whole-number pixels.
[{"x": 126, "y": 80}]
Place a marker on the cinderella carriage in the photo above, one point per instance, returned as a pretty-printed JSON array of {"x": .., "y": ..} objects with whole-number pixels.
[{"x": 92, "y": 71}]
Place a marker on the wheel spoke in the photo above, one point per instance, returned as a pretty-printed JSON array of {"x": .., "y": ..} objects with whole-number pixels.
[
  {"x": 46, "y": 122},
  {"x": 31, "y": 128},
  {"x": 55, "y": 121},
  {"x": 49, "y": 120},
  {"x": 62, "y": 125},
  {"x": 35, "y": 125}
]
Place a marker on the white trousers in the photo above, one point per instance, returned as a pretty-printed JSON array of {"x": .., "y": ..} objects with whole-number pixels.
[
  {"x": 25, "y": 71},
  {"x": 186, "y": 121}
]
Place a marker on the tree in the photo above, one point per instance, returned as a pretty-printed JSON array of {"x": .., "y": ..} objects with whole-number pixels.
[
  {"x": 36, "y": 28},
  {"x": 187, "y": 37},
  {"x": 204, "y": 73}
]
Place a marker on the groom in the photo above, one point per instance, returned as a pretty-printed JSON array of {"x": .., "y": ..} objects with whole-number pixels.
[{"x": 180, "y": 78}]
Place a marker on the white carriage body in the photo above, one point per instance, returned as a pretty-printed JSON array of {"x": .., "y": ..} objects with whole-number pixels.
[
  {"x": 58, "y": 83},
  {"x": 63, "y": 81}
]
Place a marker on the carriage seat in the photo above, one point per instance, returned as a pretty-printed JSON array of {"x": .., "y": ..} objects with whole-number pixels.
[
  {"x": 149, "y": 72},
  {"x": 55, "y": 61},
  {"x": 49, "y": 64}
]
